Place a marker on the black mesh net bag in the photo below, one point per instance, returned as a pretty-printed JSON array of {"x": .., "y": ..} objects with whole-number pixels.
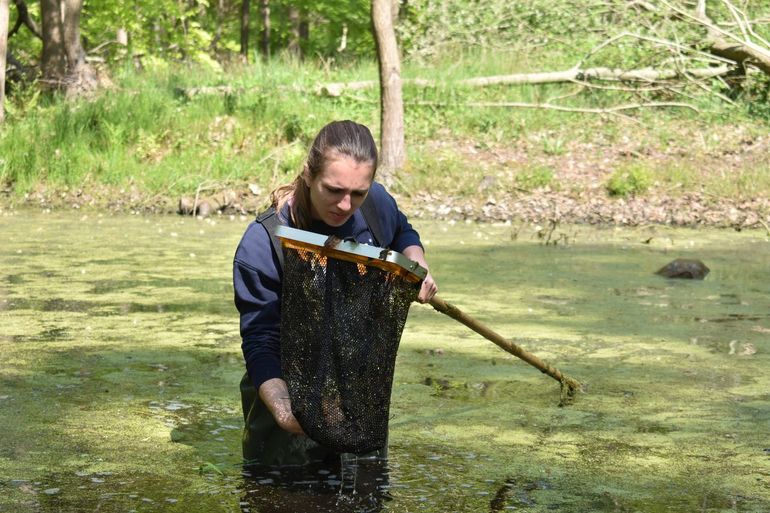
[{"x": 343, "y": 309}]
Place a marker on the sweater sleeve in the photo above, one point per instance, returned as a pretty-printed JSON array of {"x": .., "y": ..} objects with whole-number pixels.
[
  {"x": 257, "y": 288},
  {"x": 394, "y": 222}
]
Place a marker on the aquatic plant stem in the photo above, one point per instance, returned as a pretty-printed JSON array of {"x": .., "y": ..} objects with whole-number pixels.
[{"x": 569, "y": 386}]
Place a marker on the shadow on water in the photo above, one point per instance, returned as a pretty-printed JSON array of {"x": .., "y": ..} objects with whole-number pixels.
[
  {"x": 106, "y": 308},
  {"x": 349, "y": 484}
]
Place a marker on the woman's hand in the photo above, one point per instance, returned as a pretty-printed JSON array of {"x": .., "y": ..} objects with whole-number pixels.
[
  {"x": 429, "y": 287},
  {"x": 427, "y": 290},
  {"x": 275, "y": 394}
]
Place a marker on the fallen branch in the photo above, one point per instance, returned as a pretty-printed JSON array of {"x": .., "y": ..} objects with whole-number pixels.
[
  {"x": 563, "y": 108},
  {"x": 571, "y": 75},
  {"x": 767, "y": 228},
  {"x": 547, "y": 106},
  {"x": 224, "y": 90},
  {"x": 192, "y": 92},
  {"x": 726, "y": 44}
]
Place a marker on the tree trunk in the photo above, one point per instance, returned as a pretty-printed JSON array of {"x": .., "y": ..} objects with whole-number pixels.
[
  {"x": 220, "y": 10},
  {"x": 395, "y": 6},
  {"x": 265, "y": 10},
  {"x": 294, "y": 24},
  {"x": 304, "y": 29},
  {"x": 245, "y": 5},
  {"x": 81, "y": 76},
  {"x": 53, "y": 63},
  {"x": 392, "y": 145},
  {"x": 63, "y": 62},
  {"x": 4, "y": 20}
]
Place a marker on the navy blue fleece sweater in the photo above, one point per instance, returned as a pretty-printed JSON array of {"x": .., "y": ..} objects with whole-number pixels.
[{"x": 257, "y": 278}]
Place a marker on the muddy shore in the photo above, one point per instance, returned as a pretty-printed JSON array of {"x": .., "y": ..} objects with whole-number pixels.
[
  {"x": 577, "y": 193},
  {"x": 542, "y": 206}
]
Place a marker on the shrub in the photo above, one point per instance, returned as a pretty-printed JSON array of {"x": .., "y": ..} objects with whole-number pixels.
[{"x": 629, "y": 181}]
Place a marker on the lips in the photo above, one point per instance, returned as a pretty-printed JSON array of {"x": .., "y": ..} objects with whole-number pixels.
[{"x": 338, "y": 217}]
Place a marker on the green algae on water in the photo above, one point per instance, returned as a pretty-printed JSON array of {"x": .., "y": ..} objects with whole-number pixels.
[{"x": 120, "y": 365}]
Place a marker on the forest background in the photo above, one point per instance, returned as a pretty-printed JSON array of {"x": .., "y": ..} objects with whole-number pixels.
[{"x": 601, "y": 111}]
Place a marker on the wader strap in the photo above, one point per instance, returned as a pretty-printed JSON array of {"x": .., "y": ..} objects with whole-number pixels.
[
  {"x": 269, "y": 219},
  {"x": 369, "y": 211}
]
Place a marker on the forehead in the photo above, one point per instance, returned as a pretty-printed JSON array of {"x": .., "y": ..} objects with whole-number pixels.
[{"x": 345, "y": 172}]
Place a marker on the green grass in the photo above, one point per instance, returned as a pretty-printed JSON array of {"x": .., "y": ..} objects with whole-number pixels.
[
  {"x": 535, "y": 177},
  {"x": 145, "y": 132}
]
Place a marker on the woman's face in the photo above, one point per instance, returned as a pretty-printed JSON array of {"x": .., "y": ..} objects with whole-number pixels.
[{"x": 339, "y": 189}]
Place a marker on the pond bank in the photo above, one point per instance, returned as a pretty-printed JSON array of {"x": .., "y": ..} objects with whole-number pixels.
[{"x": 541, "y": 206}]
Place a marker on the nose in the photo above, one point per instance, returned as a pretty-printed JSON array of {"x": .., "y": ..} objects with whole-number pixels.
[{"x": 345, "y": 203}]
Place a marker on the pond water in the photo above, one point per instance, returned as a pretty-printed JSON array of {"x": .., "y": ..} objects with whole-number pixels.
[{"x": 120, "y": 362}]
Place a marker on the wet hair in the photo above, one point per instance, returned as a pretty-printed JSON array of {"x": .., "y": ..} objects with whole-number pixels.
[{"x": 338, "y": 138}]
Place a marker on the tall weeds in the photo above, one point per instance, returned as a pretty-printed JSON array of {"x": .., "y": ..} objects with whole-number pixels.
[{"x": 149, "y": 131}]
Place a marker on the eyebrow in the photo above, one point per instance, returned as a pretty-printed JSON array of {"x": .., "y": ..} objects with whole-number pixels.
[{"x": 337, "y": 189}]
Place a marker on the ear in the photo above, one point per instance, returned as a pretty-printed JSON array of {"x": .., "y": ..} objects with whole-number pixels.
[{"x": 306, "y": 175}]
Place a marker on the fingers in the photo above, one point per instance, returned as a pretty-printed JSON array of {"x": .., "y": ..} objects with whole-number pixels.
[{"x": 427, "y": 290}]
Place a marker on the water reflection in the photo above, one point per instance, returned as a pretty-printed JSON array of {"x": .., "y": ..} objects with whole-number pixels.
[{"x": 359, "y": 485}]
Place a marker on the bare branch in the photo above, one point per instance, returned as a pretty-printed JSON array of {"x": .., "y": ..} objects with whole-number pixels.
[
  {"x": 745, "y": 24},
  {"x": 563, "y": 108},
  {"x": 24, "y": 19},
  {"x": 702, "y": 18},
  {"x": 737, "y": 16},
  {"x": 570, "y": 75}
]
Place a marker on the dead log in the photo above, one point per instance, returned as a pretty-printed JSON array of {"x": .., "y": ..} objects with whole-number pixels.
[
  {"x": 192, "y": 92},
  {"x": 647, "y": 75},
  {"x": 564, "y": 108}
]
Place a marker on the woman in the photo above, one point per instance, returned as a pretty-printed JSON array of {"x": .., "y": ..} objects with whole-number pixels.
[{"x": 325, "y": 198}]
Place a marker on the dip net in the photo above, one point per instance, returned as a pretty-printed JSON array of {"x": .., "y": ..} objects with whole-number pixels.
[{"x": 343, "y": 309}]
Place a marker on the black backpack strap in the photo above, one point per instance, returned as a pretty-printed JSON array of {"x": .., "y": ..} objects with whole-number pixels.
[
  {"x": 369, "y": 211},
  {"x": 269, "y": 219}
]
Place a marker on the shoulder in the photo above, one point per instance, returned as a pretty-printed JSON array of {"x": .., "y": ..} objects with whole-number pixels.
[
  {"x": 378, "y": 191},
  {"x": 255, "y": 247},
  {"x": 381, "y": 198}
]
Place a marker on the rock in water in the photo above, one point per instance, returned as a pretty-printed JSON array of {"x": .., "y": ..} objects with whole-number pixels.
[{"x": 686, "y": 268}]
